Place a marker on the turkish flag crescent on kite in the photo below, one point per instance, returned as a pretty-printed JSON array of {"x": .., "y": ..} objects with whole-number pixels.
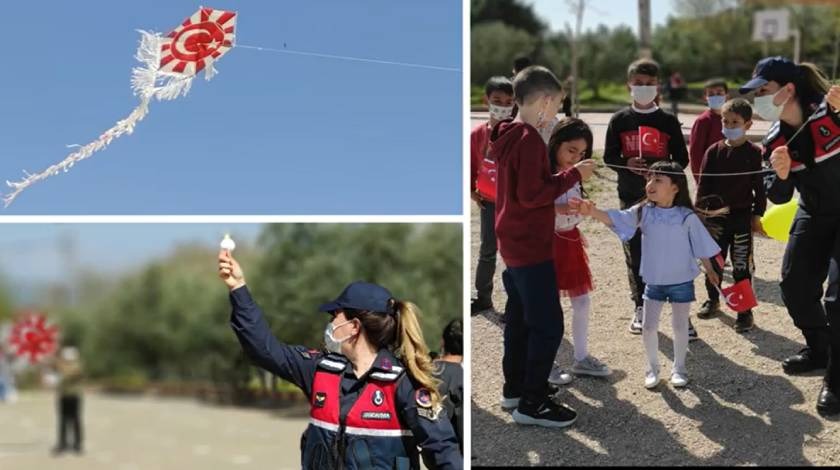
[
  {"x": 740, "y": 297},
  {"x": 653, "y": 143},
  {"x": 203, "y": 38}
]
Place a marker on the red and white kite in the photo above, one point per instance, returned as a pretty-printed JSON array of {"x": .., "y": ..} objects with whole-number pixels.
[
  {"x": 200, "y": 40},
  {"x": 31, "y": 336},
  {"x": 169, "y": 65}
]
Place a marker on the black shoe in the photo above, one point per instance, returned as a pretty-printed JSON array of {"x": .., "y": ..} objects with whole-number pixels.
[
  {"x": 692, "y": 332},
  {"x": 547, "y": 414},
  {"x": 56, "y": 451},
  {"x": 828, "y": 403},
  {"x": 805, "y": 361},
  {"x": 709, "y": 309},
  {"x": 744, "y": 322},
  {"x": 477, "y": 307}
]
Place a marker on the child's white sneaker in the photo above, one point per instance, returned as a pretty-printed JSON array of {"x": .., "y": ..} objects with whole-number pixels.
[
  {"x": 651, "y": 380},
  {"x": 559, "y": 377},
  {"x": 679, "y": 380}
]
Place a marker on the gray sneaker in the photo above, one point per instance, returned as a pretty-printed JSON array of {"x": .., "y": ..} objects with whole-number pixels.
[
  {"x": 559, "y": 377},
  {"x": 509, "y": 404},
  {"x": 636, "y": 322},
  {"x": 591, "y": 366}
]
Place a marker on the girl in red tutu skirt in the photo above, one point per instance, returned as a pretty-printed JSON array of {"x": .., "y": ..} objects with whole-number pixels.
[{"x": 571, "y": 141}]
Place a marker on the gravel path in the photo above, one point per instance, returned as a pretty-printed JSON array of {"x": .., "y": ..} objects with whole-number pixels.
[{"x": 738, "y": 409}]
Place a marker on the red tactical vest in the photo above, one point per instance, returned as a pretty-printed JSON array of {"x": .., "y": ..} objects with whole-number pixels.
[
  {"x": 371, "y": 435},
  {"x": 824, "y": 128}
]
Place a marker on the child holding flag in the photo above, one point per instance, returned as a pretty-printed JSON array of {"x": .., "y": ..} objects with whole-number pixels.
[
  {"x": 673, "y": 237},
  {"x": 734, "y": 158},
  {"x": 637, "y": 136}
]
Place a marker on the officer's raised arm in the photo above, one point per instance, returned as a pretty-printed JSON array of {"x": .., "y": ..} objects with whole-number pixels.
[{"x": 293, "y": 363}]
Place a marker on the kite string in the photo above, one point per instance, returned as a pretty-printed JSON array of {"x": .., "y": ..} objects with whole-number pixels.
[
  {"x": 743, "y": 173},
  {"x": 351, "y": 58}
]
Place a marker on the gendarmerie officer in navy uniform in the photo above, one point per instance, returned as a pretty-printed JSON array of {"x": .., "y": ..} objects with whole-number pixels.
[
  {"x": 373, "y": 395},
  {"x": 799, "y": 96}
]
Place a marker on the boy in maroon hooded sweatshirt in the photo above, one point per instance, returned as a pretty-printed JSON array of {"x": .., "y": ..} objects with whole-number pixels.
[
  {"x": 707, "y": 129},
  {"x": 525, "y": 194}
]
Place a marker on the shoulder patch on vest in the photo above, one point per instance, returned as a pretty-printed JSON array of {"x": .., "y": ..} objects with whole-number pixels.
[
  {"x": 307, "y": 353},
  {"x": 423, "y": 397}
]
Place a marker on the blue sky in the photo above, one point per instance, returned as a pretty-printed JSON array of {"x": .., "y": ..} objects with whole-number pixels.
[
  {"x": 273, "y": 133},
  {"x": 608, "y": 12}
]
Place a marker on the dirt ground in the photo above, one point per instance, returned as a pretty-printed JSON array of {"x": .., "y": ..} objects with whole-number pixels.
[
  {"x": 134, "y": 433},
  {"x": 738, "y": 409}
]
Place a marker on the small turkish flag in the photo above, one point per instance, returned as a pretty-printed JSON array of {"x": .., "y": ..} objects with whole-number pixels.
[
  {"x": 485, "y": 182},
  {"x": 739, "y": 297},
  {"x": 652, "y": 143}
]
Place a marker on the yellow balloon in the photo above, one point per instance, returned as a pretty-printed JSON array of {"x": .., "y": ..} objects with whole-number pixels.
[{"x": 778, "y": 219}]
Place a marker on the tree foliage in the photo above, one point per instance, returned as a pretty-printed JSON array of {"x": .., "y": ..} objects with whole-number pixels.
[{"x": 169, "y": 320}]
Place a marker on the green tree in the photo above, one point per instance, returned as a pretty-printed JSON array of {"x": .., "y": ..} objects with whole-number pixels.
[
  {"x": 514, "y": 13},
  {"x": 305, "y": 265},
  {"x": 607, "y": 53},
  {"x": 494, "y": 47},
  {"x": 6, "y": 303}
]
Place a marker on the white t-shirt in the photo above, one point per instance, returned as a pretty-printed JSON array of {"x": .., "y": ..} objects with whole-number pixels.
[{"x": 564, "y": 223}]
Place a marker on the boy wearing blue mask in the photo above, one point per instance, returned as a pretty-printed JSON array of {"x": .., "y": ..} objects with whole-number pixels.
[
  {"x": 638, "y": 136},
  {"x": 742, "y": 193},
  {"x": 707, "y": 127}
]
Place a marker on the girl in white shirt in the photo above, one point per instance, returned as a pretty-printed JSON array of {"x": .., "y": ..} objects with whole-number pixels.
[{"x": 570, "y": 143}]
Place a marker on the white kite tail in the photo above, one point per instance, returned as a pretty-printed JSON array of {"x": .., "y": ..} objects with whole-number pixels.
[
  {"x": 149, "y": 83},
  {"x": 126, "y": 126}
]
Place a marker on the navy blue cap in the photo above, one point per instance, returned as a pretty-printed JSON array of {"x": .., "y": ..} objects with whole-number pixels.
[
  {"x": 362, "y": 296},
  {"x": 771, "y": 69}
]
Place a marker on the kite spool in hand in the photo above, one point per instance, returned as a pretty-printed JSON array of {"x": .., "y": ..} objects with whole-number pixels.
[
  {"x": 228, "y": 244},
  {"x": 778, "y": 219}
]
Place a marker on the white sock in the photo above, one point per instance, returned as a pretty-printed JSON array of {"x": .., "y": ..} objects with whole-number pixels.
[
  {"x": 580, "y": 325},
  {"x": 650, "y": 332},
  {"x": 679, "y": 324}
]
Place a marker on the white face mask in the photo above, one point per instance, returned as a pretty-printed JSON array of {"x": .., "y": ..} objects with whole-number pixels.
[
  {"x": 643, "y": 95},
  {"x": 334, "y": 345},
  {"x": 766, "y": 109},
  {"x": 500, "y": 113},
  {"x": 716, "y": 101},
  {"x": 734, "y": 133}
]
